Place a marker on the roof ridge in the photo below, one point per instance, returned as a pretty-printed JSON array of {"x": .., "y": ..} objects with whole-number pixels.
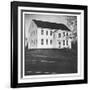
[{"x": 46, "y": 21}]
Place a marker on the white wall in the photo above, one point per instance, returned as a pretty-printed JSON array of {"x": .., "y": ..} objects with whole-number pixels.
[
  {"x": 44, "y": 37},
  {"x": 5, "y": 46}
]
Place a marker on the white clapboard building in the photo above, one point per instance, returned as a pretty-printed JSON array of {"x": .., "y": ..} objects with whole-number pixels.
[{"x": 48, "y": 35}]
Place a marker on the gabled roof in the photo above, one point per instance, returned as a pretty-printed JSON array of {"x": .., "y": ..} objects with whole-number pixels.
[{"x": 45, "y": 24}]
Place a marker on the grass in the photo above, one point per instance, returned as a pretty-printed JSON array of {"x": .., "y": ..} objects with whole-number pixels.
[{"x": 50, "y": 61}]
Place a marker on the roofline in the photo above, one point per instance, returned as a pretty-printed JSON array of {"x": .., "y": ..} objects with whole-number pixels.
[{"x": 51, "y": 23}]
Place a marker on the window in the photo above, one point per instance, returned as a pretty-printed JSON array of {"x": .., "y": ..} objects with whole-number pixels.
[
  {"x": 59, "y": 43},
  {"x": 63, "y": 42},
  {"x": 63, "y": 33},
  {"x": 31, "y": 42},
  {"x": 36, "y": 41},
  {"x": 50, "y": 41},
  {"x": 42, "y": 41},
  {"x": 46, "y": 32},
  {"x": 42, "y": 32},
  {"x": 59, "y": 35},
  {"x": 67, "y": 42},
  {"x": 67, "y": 34},
  {"x": 46, "y": 41},
  {"x": 50, "y": 33}
]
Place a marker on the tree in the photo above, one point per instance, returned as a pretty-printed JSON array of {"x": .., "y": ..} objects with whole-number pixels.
[{"x": 72, "y": 24}]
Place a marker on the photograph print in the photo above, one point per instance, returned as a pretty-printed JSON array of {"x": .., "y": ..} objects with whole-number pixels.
[{"x": 49, "y": 44}]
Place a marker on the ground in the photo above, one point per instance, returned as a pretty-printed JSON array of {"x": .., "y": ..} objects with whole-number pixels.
[{"x": 50, "y": 61}]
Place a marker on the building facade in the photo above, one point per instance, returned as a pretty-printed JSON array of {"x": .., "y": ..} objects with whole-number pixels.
[{"x": 47, "y": 35}]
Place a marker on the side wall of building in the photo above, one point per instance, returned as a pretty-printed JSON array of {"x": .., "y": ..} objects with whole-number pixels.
[
  {"x": 32, "y": 42},
  {"x": 62, "y": 39},
  {"x": 45, "y": 38}
]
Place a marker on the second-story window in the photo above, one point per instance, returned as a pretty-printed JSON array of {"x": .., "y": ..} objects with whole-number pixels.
[
  {"x": 59, "y": 35},
  {"x": 67, "y": 34},
  {"x": 63, "y": 33},
  {"x": 46, "y": 32},
  {"x": 50, "y": 33},
  {"x": 42, "y": 32}
]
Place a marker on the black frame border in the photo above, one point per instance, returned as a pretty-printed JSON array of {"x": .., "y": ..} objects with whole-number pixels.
[{"x": 14, "y": 43}]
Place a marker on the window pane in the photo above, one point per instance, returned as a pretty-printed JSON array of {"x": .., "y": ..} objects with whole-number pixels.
[
  {"x": 46, "y": 41},
  {"x": 63, "y": 33},
  {"x": 46, "y": 32},
  {"x": 59, "y": 43},
  {"x": 63, "y": 42},
  {"x": 51, "y": 33},
  {"x": 67, "y": 33},
  {"x": 42, "y": 41},
  {"x": 42, "y": 32},
  {"x": 59, "y": 35},
  {"x": 67, "y": 42},
  {"x": 50, "y": 41}
]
